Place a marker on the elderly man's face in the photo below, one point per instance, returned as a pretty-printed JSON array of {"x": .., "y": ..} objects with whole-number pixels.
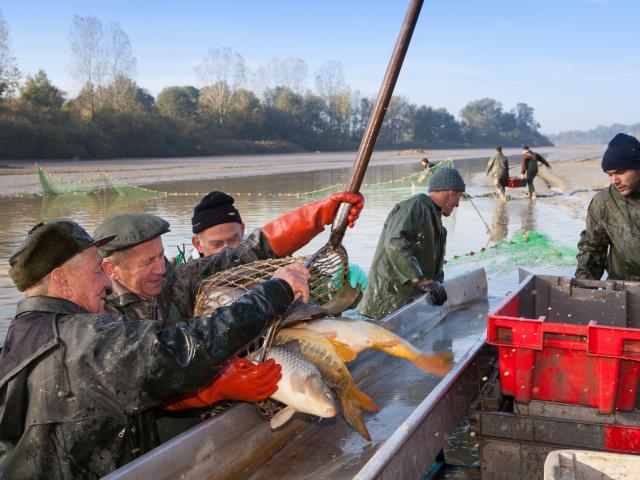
[
  {"x": 86, "y": 282},
  {"x": 141, "y": 269},
  {"x": 625, "y": 181},
  {"x": 447, "y": 200},
  {"x": 215, "y": 239}
]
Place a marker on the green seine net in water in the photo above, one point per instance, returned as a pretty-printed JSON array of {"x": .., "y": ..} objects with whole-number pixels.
[{"x": 526, "y": 249}]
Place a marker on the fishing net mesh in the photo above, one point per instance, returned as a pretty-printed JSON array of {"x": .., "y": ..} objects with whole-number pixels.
[
  {"x": 525, "y": 249},
  {"x": 223, "y": 288}
]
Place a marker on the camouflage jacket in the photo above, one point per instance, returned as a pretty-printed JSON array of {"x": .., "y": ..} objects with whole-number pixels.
[
  {"x": 611, "y": 240},
  {"x": 498, "y": 167},
  {"x": 77, "y": 389},
  {"x": 411, "y": 248},
  {"x": 180, "y": 286}
]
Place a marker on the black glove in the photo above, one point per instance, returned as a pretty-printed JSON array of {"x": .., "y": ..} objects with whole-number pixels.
[{"x": 437, "y": 292}]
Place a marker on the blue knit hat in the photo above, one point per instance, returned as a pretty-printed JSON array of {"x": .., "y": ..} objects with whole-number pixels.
[
  {"x": 446, "y": 178},
  {"x": 622, "y": 153}
]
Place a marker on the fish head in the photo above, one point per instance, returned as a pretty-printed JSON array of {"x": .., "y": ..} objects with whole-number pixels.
[{"x": 321, "y": 400}]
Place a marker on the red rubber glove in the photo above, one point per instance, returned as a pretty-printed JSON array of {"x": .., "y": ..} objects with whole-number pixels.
[
  {"x": 294, "y": 230},
  {"x": 240, "y": 380}
]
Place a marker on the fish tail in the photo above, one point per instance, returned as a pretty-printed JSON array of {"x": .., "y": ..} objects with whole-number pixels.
[
  {"x": 438, "y": 364},
  {"x": 354, "y": 401}
]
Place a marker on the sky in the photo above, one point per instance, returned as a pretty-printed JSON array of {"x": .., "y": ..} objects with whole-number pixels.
[{"x": 576, "y": 62}]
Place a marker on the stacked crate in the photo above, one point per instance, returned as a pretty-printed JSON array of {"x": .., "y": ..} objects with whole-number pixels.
[{"x": 569, "y": 356}]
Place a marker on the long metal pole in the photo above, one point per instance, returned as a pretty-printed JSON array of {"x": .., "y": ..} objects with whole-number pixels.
[{"x": 377, "y": 116}]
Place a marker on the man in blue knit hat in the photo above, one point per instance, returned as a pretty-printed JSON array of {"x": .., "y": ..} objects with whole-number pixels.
[
  {"x": 410, "y": 254},
  {"x": 611, "y": 240}
]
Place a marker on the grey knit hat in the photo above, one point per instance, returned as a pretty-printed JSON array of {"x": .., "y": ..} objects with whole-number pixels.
[{"x": 446, "y": 178}]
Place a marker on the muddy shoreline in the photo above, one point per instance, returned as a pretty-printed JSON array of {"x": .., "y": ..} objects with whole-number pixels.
[{"x": 19, "y": 177}]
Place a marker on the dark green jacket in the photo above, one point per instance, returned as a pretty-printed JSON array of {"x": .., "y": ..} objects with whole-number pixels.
[
  {"x": 611, "y": 240},
  {"x": 411, "y": 248},
  {"x": 77, "y": 389},
  {"x": 180, "y": 286}
]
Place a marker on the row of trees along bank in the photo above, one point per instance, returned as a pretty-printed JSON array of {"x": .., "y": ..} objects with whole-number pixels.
[{"x": 112, "y": 116}]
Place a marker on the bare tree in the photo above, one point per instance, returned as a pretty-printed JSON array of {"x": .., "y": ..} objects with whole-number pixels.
[
  {"x": 221, "y": 73},
  {"x": 100, "y": 57},
  {"x": 329, "y": 80},
  {"x": 9, "y": 73}
]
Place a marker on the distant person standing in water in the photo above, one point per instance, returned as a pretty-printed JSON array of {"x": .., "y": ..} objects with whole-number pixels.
[
  {"x": 611, "y": 239},
  {"x": 498, "y": 168},
  {"x": 529, "y": 168}
]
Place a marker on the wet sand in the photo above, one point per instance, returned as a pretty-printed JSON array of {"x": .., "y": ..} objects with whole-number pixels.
[{"x": 19, "y": 177}]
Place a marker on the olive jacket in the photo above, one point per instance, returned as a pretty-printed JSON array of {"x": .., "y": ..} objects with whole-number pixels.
[
  {"x": 77, "y": 389},
  {"x": 611, "y": 240},
  {"x": 411, "y": 248},
  {"x": 498, "y": 168},
  {"x": 180, "y": 286}
]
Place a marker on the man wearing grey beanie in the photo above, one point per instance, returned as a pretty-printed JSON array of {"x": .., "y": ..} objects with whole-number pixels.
[
  {"x": 611, "y": 239},
  {"x": 409, "y": 258}
]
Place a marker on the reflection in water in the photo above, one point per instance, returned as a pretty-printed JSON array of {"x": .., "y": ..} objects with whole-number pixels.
[
  {"x": 528, "y": 216},
  {"x": 500, "y": 223}
]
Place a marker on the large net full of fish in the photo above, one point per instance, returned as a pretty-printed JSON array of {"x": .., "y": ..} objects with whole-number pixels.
[
  {"x": 325, "y": 282},
  {"x": 526, "y": 249}
]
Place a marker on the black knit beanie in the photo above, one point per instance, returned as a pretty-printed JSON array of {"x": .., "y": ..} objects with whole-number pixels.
[
  {"x": 214, "y": 209},
  {"x": 622, "y": 153}
]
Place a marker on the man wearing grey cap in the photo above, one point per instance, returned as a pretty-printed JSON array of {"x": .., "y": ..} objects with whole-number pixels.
[
  {"x": 77, "y": 386},
  {"x": 146, "y": 285},
  {"x": 611, "y": 240},
  {"x": 410, "y": 254}
]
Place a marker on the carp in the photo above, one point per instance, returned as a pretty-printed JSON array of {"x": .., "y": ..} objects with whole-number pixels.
[
  {"x": 329, "y": 358},
  {"x": 360, "y": 335},
  {"x": 301, "y": 387}
]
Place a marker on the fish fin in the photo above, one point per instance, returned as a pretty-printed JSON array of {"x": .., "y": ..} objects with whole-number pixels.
[
  {"x": 438, "y": 364},
  {"x": 282, "y": 417},
  {"x": 342, "y": 349},
  {"x": 354, "y": 401},
  {"x": 297, "y": 382}
]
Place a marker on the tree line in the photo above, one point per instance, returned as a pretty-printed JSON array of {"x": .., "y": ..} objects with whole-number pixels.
[
  {"x": 596, "y": 136},
  {"x": 112, "y": 116}
]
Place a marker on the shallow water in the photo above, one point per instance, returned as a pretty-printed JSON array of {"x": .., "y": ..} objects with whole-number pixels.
[{"x": 262, "y": 198}]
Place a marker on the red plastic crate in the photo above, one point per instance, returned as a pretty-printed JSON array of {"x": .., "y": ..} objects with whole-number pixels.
[
  {"x": 591, "y": 365},
  {"x": 515, "y": 182}
]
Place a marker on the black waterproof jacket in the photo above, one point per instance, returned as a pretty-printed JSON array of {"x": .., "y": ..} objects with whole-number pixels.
[{"x": 77, "y": 389}]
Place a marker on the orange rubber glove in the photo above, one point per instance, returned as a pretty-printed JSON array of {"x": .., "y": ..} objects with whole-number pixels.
[
  {"x": 240, "y": 380},
  {"x": 294, "y": 230}
]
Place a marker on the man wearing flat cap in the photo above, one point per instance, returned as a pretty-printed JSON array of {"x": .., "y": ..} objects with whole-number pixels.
[
  {"x": 611, "y": 240},
  {"x": 146, "y": 285},
  {"x": 409, "y": 258},
  {"x": 77, "y": 386}
]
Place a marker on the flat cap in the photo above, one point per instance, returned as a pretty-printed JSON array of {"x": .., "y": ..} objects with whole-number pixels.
[
  {"x": 130, "y": 229},
  {"x": 47, "y": 246}
]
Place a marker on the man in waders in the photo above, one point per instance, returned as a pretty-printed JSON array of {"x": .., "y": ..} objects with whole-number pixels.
[
  {"x": 78, "y": 386},
  {"x": 529, "y": 168},
  {"x": 498, "y": 168},
  {"x": 611, "y": 240},
  {"x": 216, "y": 225},
  {"x": 409, "y": 258}
]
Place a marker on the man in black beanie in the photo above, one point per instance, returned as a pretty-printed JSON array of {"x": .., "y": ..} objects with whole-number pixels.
[
  {"x": 216, "y": 224},
  {"x": 611, "y": 240}
]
